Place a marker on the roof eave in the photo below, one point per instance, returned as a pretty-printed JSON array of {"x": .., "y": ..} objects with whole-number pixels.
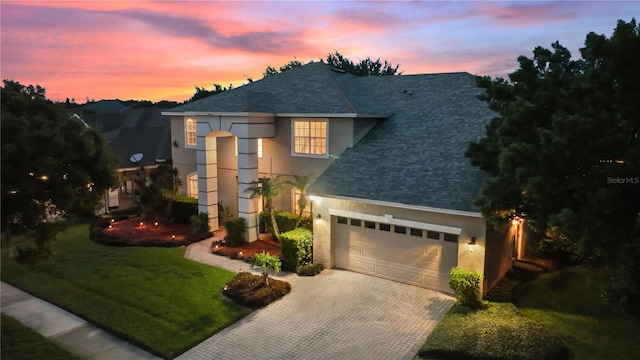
[{"x": 402, "y": 206}]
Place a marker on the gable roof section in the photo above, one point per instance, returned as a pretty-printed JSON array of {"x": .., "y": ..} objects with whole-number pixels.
[
  {"x": 311, "y": 89},
  {"x": 415, "y": 157}
]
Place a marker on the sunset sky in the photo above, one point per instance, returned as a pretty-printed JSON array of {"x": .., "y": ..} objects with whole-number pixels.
[{"x": 157, "y": 50}]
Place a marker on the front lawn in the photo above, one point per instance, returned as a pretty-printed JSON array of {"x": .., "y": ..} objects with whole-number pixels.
[
  {"x": 562, "y": 305},
  {"x": 568, "y": 302},
  {"x": 21, "y": 343},
  {"x": 151, "y": 296},
  {"x": 499, "y": 332}
]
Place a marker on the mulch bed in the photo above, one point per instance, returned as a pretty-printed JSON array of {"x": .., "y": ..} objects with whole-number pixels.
[
  {"x": 266, "y": 244},
  {"x": 134, "y": 231}
]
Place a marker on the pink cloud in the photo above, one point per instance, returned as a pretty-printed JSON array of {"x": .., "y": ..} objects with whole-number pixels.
[{"x": 514, "y": 14}]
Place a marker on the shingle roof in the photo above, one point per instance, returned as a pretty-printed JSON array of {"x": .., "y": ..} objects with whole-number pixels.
[
  {"x": 415, "y": 156},
  {"x": 133, "y": 130}
]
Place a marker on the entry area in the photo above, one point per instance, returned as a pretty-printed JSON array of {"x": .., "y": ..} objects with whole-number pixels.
[{"x": 401, "y": 253}]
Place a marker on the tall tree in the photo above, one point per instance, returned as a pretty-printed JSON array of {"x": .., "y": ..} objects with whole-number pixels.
[
  {"x": 202, "y": 93},
  {"x": 564, "y": 150},
  {"x": 268, "y": 189},
  {"x": 52, "y": 165},
  {"x": 365, "y": 67}
]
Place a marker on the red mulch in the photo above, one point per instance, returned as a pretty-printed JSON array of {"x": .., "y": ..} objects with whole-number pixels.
[
  {"x": 266, "y": 244},
  {"x": 129, "y": 232}
]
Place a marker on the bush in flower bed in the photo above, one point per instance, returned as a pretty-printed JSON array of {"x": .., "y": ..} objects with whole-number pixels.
[
  {"x": 249, "y": 290},
  {"x": 310, "y": 269}
]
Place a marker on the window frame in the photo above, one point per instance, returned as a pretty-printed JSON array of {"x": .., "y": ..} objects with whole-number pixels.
[
  {"x": 190, "y": 187},
  {"x": 308, "y": 211},
  {"x": 188, "y": 131},
  {"x": 325, "y": 121}
]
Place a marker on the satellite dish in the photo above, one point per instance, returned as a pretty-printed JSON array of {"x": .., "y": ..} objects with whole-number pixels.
[{"x": 135, "y": 157}]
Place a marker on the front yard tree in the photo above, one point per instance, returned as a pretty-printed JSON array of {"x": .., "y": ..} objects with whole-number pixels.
[
  {"x": 53, "y": 165},
  {"x": 564, "y": 150},
  {"x": 268, "y": 189}
]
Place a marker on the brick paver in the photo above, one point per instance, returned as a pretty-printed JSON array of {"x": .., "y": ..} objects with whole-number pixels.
[{"x": 335, "y": 315}]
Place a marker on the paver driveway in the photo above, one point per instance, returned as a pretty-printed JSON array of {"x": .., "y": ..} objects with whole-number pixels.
[{"x": 335, "y": 315}]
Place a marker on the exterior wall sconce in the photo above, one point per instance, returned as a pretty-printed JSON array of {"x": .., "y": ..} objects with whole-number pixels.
[
  {"x": 473, "y": 240},
  {"x": 318, "y": 219}
]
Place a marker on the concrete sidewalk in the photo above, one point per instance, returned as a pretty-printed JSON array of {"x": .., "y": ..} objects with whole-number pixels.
[{"x": 67, "y": 330}]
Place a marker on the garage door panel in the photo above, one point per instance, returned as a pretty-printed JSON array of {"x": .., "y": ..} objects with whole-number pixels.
[
  {"x": 410, "y": 259},
  {"x": 397, "y": 274},
  {"x": 369, "y": 267},
  {"x": 383, "y": 270},
  {"x": 384, "y": 256},
  {"x": 369, "y": 253}
]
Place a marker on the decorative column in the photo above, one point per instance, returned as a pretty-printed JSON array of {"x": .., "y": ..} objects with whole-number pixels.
[
  {"x": 207, "y": 166},
  {"x": 247, "y": 173}
]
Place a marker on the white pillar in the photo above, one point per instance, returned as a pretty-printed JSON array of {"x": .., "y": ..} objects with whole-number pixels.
[
  {"x": 248, "y": 172},
  {"x": 207, "y": 165}
]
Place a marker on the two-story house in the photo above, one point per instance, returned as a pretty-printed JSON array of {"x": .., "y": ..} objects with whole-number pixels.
[{"x": 392, "y": 193}]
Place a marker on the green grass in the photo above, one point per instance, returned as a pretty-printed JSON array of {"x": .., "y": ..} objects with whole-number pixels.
[
  {"x": 151, "y": 296},
  {"x": 21, "y": 343},
  {"x": 568, "y": 302},
  {"x": 496, "y": 333}
]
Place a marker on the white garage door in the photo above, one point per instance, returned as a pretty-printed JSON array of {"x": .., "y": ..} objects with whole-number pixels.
[{"x": 413, "y": 256}]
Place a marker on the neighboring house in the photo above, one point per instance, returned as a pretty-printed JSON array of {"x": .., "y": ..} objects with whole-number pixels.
[
  {"x": 140, "y": 138},
  {"x": 393, "y": 192}
]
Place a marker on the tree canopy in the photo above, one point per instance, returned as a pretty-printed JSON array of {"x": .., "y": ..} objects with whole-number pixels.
[
  {"x": 564, "y": 150},
  {"x": 365, "y": 67},
  {"x": 53, "y": 165}
]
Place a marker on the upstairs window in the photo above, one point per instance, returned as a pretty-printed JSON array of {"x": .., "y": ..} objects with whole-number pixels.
[
  {"x": 309, "y": 137},
  {"x": 190, "y": 131}
]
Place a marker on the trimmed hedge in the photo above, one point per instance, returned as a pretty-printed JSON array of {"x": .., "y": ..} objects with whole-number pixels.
[
  {"x": 183, "y": 208},
  {"x": 286, "y": 221},
  {"x": 310, "y": 269},
  {"x": 236, "y": 228},
  {"x": 466, "y": 285},
  {"x": 297, "y": 248}
]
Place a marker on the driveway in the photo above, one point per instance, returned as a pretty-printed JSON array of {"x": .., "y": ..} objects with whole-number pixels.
[{"x": 335, "y": 315}]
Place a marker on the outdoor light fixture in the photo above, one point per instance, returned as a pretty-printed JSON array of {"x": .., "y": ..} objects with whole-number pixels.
[
  {"x": 141, "y": 223},
  {"x": 318, "y": 219},
  {"x": 156, "y": 223},
  {"x": 113, "y": 220},
  {"x": 110, "y": 226},
  {"x": 473, "y": 240},
  {"x": 173, "y": 236}
]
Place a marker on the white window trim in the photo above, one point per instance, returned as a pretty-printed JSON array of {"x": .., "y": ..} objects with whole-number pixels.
[
  {"x": 186, "y": 141},
  {"x": 293, "y": 134},
  {"x": 296, "y": 208},
  {"x": 189, "y": 192}
]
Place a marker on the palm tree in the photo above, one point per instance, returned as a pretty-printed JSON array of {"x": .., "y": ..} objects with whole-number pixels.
[
  {"x": 268, "y": 189},
  {"x": 266, "y": 261},
  {"x": 300, "y": 183}
]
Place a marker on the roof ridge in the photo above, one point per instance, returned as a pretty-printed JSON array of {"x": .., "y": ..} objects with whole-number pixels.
[{"x": 341, "y": 92}]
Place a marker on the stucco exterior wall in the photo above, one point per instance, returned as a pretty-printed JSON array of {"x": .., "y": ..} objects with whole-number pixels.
[
  {"x": 184, "y": 158},
  {"x": 498, "y": 254},
  {"x": 471, "y": 257}
]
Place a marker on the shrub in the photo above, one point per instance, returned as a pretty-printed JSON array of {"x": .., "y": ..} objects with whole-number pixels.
[
  {"x": 236, "y": 229},
  {"x": 249, "y": 290},
  {"x": 296, "y": 246},
  {"x": 183, "y": 208},
  {"x": 200, "y": 223},
  {"x": 310, "y": 269},
  {"x": 466, "y": 285},
  {"x": 266, "y": 261}
]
